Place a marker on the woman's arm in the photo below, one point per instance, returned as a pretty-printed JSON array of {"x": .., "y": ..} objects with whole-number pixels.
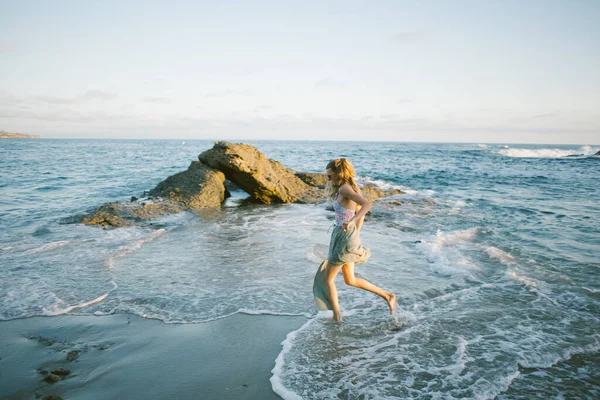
[
  {"x": 347, "y": 191},
  {"x": 359, "y": 223}
]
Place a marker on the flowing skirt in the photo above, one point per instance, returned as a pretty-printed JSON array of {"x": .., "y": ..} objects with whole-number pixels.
[
  {"x": 320, "y": 291},
  {"x": 344, "y": 248}
]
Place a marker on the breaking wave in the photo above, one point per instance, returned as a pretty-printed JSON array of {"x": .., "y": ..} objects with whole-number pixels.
[{"x": 547, "y": 153}]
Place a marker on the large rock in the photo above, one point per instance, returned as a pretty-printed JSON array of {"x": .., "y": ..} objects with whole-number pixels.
[
  {"x": 266, "y": 180},
  {"x": 194, "y": 189},
  {"x": 597, "y": 154}
]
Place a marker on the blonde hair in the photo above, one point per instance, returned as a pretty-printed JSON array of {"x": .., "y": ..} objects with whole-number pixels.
[{"x": 344, "y": 173}]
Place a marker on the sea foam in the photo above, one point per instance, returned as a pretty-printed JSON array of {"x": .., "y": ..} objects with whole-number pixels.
[
  {"x": 500, "y": 255},
  {"x": 277, "y": 371},
  {"x": 442, "y": 252},
  {"x": 110, "y": 262},
  {"x": 68, "y": 309},
  {"x": 546, "y": 153}
]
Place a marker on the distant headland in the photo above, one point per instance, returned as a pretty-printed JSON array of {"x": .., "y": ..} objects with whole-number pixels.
[{"x": 8, "y": 135}]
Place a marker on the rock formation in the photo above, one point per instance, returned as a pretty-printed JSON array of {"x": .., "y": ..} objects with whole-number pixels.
[
  {"x": 203, "y": 187},
  {"x": 266, "y": 180},
  {"x": 8, "y": 135}
]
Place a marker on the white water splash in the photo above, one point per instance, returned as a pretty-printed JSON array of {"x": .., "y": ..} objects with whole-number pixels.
[
  {"x": 525, "y": 280},
  {"x": 402, "y": 318},
  {"x": 500, "y": 255},
  {"x": 441, "y": 251},
  {"x": 110, "y": 262},
  {"x": 316, "y": 254},
  {"x": 546, "y": 153}
]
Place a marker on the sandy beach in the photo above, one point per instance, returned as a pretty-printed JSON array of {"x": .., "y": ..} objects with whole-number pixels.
[{"x": 128, "y": 357}]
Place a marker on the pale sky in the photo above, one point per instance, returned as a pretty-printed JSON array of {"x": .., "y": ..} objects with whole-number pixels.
[{"x": 442, "y": 71}]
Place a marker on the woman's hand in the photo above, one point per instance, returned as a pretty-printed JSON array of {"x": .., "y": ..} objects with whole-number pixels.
[{"x": 347, "y": 225}]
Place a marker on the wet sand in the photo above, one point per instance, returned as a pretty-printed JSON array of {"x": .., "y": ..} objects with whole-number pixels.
[{"x": 128, "y": 357}]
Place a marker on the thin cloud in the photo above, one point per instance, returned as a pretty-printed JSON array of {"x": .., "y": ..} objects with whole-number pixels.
[
  {"x": 120, "y": 124},
  {"x": 390, "y": 116},
  {"x": 331, "y": 83},
  {"x": 7, "y": 98},
  {"x": 66, "y": 115},
  {"x": 407, "y": 37},
  {"x": 56, "y": 100},
  {"x": 547, "y": 115},
  {"x": 90, "y": 95},
  {"x": 228, "y": 93},
  {"x": 261, "y": 108},
  {"x": 157, "y": 100},
  {"x": 157, "y": 82},
  {"x": 98, "y": 95},
  {"x": 6, "y": 48}
]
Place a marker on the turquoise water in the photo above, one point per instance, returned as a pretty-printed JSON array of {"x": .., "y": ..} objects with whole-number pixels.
[{"x": 492, "y": 255}]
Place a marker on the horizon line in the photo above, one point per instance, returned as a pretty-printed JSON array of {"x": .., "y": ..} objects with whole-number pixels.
[{"x": 309, "y": 140}]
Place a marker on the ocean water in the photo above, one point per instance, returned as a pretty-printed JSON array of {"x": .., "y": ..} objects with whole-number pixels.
[{"x": 492, "y": 253}]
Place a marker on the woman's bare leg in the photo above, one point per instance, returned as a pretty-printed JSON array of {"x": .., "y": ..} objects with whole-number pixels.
[
  {"x": 350, "y": 279},
  {"x": 330, "y": 274}
]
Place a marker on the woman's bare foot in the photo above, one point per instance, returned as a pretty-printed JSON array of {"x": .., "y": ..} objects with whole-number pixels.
[
  {"x": 391, "y": 300},
  {"x": 337, "y": 317}
]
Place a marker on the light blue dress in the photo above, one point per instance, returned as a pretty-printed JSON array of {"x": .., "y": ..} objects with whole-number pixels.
[{"x": 344, "y": 248}]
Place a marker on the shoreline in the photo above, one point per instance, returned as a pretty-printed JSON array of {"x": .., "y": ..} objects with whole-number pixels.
[{"x": 126, "y": 356}]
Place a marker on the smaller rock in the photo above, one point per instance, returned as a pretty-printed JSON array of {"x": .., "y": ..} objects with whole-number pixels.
[
  {"x": 373, "y": 192},
  {"x": 313, "y": 179},
  {"x": 52, "y": 397},
  {"x": 61, "y": 372},
  {"x": 124, "y": 214},
  {"x": 105, "y": 216},
  {"x": 52, "y": 378},
  {"x": 43, "y": 340},
  {"x": 133, "y": 198},
  {"x": 598, "y": 153},
  {"x": 392, "y": 203},
  {"x": 73, "y": 355}
]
